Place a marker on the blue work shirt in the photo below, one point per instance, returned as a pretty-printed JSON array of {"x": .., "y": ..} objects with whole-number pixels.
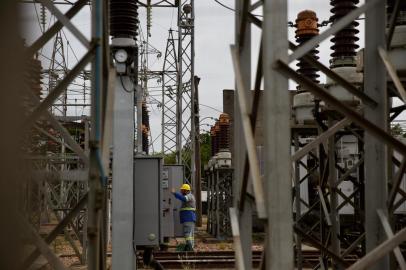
[{"x": 188, "y": 210}]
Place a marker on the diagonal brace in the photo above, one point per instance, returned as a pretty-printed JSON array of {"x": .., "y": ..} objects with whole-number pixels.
[
  {"x": 57, "y": 230},
  {"x": 63, "y": 131},
  {"x": 65, "y": 21},
  {"x": 40, "y": 42},
  {"x": 254, "y": 114},
  {"x": 52, "y": 96},
  {"x": 337, "y": 78},
  {"x": 392, "y": 73},
  {"x": 41, "y": 245},
  {"x": 389, "y": 233},
  {"x": 249, "y": 137},
  {"x": 320, "y": 139},
  {"x": 235, "y": 228},
  {"x": 395, "y": 186},
  {"x": 380, "y": 251},
  {"x": 341, "y": 107}
]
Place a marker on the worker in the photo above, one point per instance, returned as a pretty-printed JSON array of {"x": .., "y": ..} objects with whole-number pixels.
[{"x": 187, "y": 214}]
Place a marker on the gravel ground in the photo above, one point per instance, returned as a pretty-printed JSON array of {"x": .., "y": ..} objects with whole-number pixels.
[{"x": 204, "y": 242}]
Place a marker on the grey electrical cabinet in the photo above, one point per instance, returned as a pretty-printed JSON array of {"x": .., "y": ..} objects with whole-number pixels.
[
  {"x": 173, "y": 177},
  {"x": 147, "y": 201}
]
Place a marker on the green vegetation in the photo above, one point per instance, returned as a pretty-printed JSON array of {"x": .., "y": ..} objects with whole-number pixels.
[
  {"x": 397, "y": 130},
  {"x": 205, "y": 152}
]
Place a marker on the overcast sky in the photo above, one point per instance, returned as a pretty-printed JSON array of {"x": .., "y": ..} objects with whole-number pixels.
[{"x": 214, "y": 32}]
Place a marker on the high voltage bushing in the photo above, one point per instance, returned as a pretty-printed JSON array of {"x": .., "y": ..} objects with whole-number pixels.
[
  {"x": 123, "y": 18},
  {"x": 344, "y": 42},
  {"x": 306, "y": 28},
  {"x": 344, "y": 56},
  {"x": 224, "y": 132}
]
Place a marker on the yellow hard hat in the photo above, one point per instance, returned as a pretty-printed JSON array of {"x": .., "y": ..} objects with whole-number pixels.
[{"x": 185, "y": 187}]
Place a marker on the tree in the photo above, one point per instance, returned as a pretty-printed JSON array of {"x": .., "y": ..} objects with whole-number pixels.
[{"x": 397, "y": 130}]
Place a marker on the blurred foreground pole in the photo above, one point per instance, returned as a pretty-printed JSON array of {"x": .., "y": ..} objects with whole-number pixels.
[{"x": 11, "y": 115}]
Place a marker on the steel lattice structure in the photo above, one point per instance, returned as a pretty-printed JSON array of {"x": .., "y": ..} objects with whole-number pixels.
[
  {"x": 63, "y": 175},
  {"x": 185, "y": 87},
  {"x": 169, "y": 96},
  {"x": 72, "y": 171},
  {"x": 219, "y": 201}
]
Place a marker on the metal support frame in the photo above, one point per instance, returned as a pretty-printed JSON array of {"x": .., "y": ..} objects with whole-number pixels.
[
  {"x": 242, "y": 53},
  {"x": 347, "y": 122},
  {"x": 123, "y": 175},
  {"x": 219, "y": 201},
  {"x": 277, "y": 144},
  {"x": 376, "y": 168}
]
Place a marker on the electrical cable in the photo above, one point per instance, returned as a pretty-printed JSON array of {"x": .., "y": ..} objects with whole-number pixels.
[
  {"x": 124, "y": 88},
  {"x": 232, "y": 9},
  {"x": 227, "y": 7},
  {"x": 210, "y": 107}
]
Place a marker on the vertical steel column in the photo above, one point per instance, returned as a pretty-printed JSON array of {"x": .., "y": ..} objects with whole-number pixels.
[
  {"x": 197, "y": 181},
  {"x": 179, "y": 90},
  {"x": 245, "y": 217},
  {"x": 299, "y": 261},
  {"x": 140, "y": 97},
  {"x": 218, "y": 198},
  {"x": 278, "y": 178},
  {"x": 95, "y": 204},
  {"x": 193, "y": 138},
  {"x": 375, "y": 149},
  {"x": 123, "y": 179},
  {"x": 332, "y": 178}
]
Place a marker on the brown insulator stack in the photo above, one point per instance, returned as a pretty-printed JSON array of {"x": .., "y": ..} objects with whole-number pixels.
[
  {"x": 306, "y": 28},
  {"x": 145, "y": 128},
  {"x": 36, "y": 77},
  {"x": 344, "y": 42},
  {"x": 213, "y": 141},
  {"x": 217, "y": 131},
  {"x": 224, "y": 132},
  {"x": 33, "y": 77}
]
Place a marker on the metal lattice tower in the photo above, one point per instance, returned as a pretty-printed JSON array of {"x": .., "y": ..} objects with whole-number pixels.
[
  {"x": 185, "y": 90},
  {"x": 169, "y": 96},
  {"x": 57, "y": 70}
]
